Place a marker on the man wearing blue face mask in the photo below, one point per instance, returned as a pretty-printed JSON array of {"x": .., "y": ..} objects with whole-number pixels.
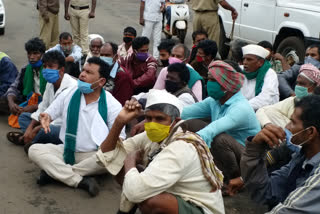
[
  {"x": 140, "y": 65},
  {"x": 88, "y": 113},
  {"x": 288, "y": 78},
  {"x": 294, "y": 188},
  {"x": 57, "y": 82},
  {"x": 232, "y": 118},
  {"x": 28, "y": 85}
]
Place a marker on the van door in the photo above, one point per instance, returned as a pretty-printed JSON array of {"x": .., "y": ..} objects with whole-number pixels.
[{"x": 257, "y": 20}]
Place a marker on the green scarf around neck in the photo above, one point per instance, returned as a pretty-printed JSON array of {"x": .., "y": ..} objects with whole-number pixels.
[
  {"x": 28, "y": 81},
  {"x": 72, "y": 123},
  {"x": 259, "y": 76}
]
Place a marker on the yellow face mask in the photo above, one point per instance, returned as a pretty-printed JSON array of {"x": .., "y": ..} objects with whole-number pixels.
[{"x": 156, "y": 132}]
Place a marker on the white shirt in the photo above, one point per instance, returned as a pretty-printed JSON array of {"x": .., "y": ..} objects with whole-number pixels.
[
  {"x": 92, "y": 130},
  {"x": 184, "y": 177},
  {"x": 152, "y": 10},
  {"x": 49, "y": 96},
  {"x": 269, "y": 94}
]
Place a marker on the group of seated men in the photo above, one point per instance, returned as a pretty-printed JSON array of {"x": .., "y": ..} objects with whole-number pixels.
[{"x": 200, "y": 127}]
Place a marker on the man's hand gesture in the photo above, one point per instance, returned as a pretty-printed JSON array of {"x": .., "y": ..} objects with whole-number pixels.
[
  {"x": 130, "y": 110},
  {"x": 271, "y": 135},
  {"x": 45, "y": 121}
]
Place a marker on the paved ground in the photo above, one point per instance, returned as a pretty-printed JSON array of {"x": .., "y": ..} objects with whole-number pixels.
[{"x": 19, "y": 192}]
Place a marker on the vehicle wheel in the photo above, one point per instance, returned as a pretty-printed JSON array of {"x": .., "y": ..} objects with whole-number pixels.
[
  {"x": 2, "y": 31},
  {"x": 182, "y": 35},
  {"x": 223, "y": 48},
  {"x": 292, "y": 43}
]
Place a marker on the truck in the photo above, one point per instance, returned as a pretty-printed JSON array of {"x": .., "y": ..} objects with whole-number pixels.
[{"x": 290, "y": 25}]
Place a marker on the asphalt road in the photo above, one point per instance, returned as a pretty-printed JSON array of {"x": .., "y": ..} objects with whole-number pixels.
[{"x": 19, "y": 192}]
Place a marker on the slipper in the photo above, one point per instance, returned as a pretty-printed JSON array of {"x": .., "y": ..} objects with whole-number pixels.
[{"x": 14, "y": 137}]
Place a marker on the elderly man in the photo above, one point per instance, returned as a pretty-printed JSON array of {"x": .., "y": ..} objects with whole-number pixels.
[
  {"x": 279, "y": 114},
  {"x": 95, "y": 44},
  {"x": 261, "y": 83},
  {"x": 294, "y": 188},
  {"x": 88, "y": 113},
  {"x": 179, "y": 54},
  {"x": 228, "y": 130},
  {"x": 71, "y": 52},
  {"x": 159, "y": 187},
  {"x": 58, "y": 81},
  {"x": 287, "y": 79},
  {"x": 140, "y": 65}
]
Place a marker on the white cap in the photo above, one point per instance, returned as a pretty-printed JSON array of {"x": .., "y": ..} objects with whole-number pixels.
[
  {"x": 255, "y": 50},
  {"x": 156, "y": 96},
  {"x": 95, "y": 36}
]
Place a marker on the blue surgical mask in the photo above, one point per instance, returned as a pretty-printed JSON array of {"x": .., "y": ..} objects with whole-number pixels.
[
  {"x": 108, "y": 60},
  {"x": 301, "y": 91},
  {"x": 36, "y": 64},
  {"x": 84, "y": 87},
  {"x": 51, "y": 75},
  {"x": 214, "y": 90},
  {"x": 293, "y": 147}
]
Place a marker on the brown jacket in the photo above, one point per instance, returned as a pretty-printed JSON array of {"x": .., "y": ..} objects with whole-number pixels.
[{"x": 46, "y": 6}]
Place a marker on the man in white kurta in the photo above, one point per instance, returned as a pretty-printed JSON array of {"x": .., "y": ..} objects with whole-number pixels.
[
  {"x": 173, "y": 179},
  {"x": 91, "y": 131},
  {"x": 260, "y": 86}
]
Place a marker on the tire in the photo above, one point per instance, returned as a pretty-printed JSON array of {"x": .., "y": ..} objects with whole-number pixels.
[
  {"x": 2, "y": 31},
  {"x": 223, "y": 48},
  {"x": 292, "y": 43},
  {"x": 182, "y": 35}
]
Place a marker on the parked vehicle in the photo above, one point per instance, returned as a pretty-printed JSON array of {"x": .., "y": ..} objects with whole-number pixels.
[
  {"x": 179, "y": 21},
  {"x": 2, "y": 18},
  {"x": 290, "y": 25}
]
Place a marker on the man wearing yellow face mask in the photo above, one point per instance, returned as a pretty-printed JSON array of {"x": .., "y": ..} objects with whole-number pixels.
[{"x": 178, "y": 176}]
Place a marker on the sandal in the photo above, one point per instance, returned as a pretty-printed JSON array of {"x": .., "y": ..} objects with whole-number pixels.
[{"x": 14, "y": 137}]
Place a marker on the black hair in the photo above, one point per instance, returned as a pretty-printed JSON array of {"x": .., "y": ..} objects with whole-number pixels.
[
  {"x": 140, "y": 41},
  {"x": 236, "y": 49},
  {"x": 310, "y": 111},
  {"x": 114, "y": 47},
  {"x": 198, "y": 32},
  {"x": 209, "y": 47},
  {"x": 182, "y": 69},
  {"x": 166, "y": 44},
  {"x": 35, "y": 44},
  {"x": 316, "y": 90},
  {"x": 104, "y": 69},
  {"x": 54, "y": 57},
  {"x": 234, "y": 65},
  {"x": 185, "y": 50},
  {"x": 266, "y": 44},
  {"x": 130, "y": 30},
  {"x": 315, "y": 46},
  {"x": 65, "y": 36}
]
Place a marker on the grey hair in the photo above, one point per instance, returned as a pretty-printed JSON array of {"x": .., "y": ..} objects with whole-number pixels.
[
  {"x": 185, "y": 49},
  {"x": 165, "y": 108},
  {"x": 97, "y": 38},
  {"x": 236, "y": 48}
]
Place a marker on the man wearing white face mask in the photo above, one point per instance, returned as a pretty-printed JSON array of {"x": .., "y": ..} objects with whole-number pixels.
[
  {"x": 295, "y": 187},
  {"x": 88, "y": 113}
]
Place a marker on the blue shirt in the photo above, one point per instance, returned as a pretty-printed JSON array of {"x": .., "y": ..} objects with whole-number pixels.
[
  {"x": 8, "y": 74},
  {"x": 75, "y": 52},
  {"x": 236, "y": 118}
]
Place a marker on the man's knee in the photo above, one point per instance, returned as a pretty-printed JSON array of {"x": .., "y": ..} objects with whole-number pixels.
[
  {"x": 220, "y": 140},
  {"x": 163, "y": 203},
  {"x": 35, "y": 151}
]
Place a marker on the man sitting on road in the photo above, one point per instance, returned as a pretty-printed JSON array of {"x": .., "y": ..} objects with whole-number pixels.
[
  {"x": 191, "y": 183},
  {"x": 71, "y": 52},
  {"x": 28, "y": 86},
  {"x": 88, "y": 113},
  {"x": 165, "y": 49},
  {"x": 129, "y": 34},
  {"x": 8, "y": 73},
  {"x": 232, "y": 118},
  {"x": 57, "y": 82},
  {"x": 288, "y": 78},
  {"x": 95, "y": 43},
  {"x": 294, "y": 188},
  {"x": 179, "y": 54},
  {"x": 197, "y": 36},
  {"x": 261, "y": 83},
  {"x": 141, "y": 66}
]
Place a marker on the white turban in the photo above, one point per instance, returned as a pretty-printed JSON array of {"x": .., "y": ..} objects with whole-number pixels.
[
  {"x": 156, "y": 96},
  {"x": 255, "y": 50},
  {"x": 95, "y": 36}
]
